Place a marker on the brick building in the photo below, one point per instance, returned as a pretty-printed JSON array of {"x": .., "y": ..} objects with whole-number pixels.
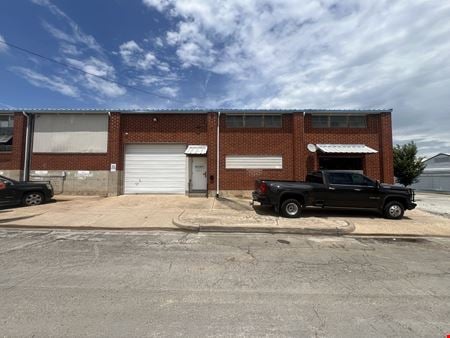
[{"x": 189, "y": 151}]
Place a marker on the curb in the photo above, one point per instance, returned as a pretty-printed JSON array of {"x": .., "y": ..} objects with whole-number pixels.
[
  {"x": 338, "y": 231},
  {"x": 221, "y": 230},
  {"x": 78, "y": 228},
  {"x": 371, "y": 235}
]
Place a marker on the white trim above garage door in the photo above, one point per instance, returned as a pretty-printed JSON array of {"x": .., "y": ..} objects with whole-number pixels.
[{"x": 155, "y": 169}]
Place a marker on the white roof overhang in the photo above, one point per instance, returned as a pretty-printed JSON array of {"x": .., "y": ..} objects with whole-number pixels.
[
  {"x": 196, "y": 150},
  {"x": 346, "y": 148}
]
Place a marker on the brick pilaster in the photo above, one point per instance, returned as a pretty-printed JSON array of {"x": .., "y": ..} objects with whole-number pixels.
[
  {"x": 18, "y": 146},
  {"x": 299, "y": 163},
  {"x": 114, "y": 141},
  {"x": 212, "y": 150},
  {"x": 386, "y": 151}
]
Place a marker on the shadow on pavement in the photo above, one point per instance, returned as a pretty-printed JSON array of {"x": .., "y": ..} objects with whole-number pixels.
[
  {"x": 235, "y": 205},
  {"x": 12, "y": 219}
]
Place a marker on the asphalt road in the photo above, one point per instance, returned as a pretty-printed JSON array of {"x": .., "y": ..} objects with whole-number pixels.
[{"x": 117, "y": 284}]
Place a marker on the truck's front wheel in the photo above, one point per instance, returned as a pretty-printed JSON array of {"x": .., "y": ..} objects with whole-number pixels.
[
  {"x": 394, "y": 210},
  {"x": 291, "y": 208}
]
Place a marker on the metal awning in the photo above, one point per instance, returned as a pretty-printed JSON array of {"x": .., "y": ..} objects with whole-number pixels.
[
  {"x": 5, "y": 139},
  {"x": 346, "y": 148},
  {"x": 196, "y": 150}
]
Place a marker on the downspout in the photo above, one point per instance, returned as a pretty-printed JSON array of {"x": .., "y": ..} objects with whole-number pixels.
[
  {"x": 28, "y": 140},
  {"x": 218, "y": 156}
]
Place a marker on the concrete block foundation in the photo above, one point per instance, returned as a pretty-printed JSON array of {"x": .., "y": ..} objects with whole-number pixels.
[
  {"x": 81, "y": 182},
  {"x": 14, "y": 174}
]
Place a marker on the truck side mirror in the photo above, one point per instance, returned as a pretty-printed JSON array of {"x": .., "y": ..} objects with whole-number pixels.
[{"x": 377, "y": 184}]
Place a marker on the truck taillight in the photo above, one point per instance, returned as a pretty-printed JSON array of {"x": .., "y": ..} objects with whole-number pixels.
[{"x": 263, "y": 187}]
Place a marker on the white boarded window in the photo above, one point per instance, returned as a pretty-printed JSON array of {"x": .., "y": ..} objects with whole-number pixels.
[
  {"x": 71, "y": 133},
  {"x": 253, "y": 162}
]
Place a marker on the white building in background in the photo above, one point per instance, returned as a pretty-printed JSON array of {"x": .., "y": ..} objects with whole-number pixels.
[{"x": 436, "y": 176}]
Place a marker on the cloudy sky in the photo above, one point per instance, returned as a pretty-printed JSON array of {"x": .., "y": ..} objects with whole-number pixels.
[{"x": 234, "y": 54}]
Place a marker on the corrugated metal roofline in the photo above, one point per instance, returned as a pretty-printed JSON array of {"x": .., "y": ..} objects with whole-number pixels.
[
  {"x": 430, "y": 158},
  {"x": 198, "y": 111}
]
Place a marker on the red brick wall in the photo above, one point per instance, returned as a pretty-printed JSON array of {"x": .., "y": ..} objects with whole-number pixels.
[
  {"x": 368, "y": 136},
  {"x": 6, "y": 161},
  {"x": 115, "y": 140},
  {"x": 255, "y": 141},
  {"x": 53, "y": 161},
  {"x": 176, "y": 128},
  {"x": 289, "y": 141},
  {"x": 386, "y": 154},
  {"x": 212, "y": 150},
  {"x": 169, "y": 128},
  {"x": 13, "y": 160}
]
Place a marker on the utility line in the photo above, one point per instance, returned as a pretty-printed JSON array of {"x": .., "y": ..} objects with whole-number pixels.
[{"x": 88, "y": 73}]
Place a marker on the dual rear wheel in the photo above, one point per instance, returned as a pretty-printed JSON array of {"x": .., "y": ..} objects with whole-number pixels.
[{"x": 291, "y": 208}]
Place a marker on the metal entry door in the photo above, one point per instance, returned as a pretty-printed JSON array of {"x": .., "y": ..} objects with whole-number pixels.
[{"x": 198, "y": 174}]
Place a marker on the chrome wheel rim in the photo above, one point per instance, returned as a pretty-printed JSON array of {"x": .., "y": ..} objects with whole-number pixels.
[
  {"x": 395, "y": 210},
  {"x": 291, "y": 209},
  {"x": 33, "y": 199}
]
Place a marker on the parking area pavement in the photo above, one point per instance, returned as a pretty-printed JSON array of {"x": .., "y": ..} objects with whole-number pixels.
[
  {"x": 436, "y": 203},
  {"x": 128, "y": 212},
  {"x": 173, "y": 212}
]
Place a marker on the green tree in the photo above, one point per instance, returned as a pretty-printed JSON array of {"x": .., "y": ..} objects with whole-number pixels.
[{"x": 407, "y": 166}]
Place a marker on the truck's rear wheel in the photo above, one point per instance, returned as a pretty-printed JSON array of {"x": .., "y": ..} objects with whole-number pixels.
[
  {"x": 291, "y": 208},
  {"x": 394, "y": 210}
]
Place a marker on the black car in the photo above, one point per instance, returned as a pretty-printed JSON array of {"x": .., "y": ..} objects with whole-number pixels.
[
  {"x": 335, "y": 189},
  {"x": 13, "y": 192}
]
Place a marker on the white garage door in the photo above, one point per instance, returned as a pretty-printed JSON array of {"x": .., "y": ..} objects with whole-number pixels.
[{"x": 155, "y": 168}]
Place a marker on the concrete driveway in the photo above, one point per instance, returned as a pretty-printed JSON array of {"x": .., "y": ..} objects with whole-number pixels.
[
  {"x": 131, "y": 211},
  {"x": 172, "y": 212}
]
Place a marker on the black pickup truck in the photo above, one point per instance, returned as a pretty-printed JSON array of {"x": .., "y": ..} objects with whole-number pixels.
[{"x": 334, "y": 189}]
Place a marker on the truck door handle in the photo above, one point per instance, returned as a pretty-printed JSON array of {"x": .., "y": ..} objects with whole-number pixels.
[
  {"x": 331, "y": 188},
  {"x": 357, "y": 189}
]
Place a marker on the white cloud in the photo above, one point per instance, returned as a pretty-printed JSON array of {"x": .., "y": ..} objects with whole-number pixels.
[
  {"x": 90, "y": 57},
  {"x": 169, "y": 91},
  {"x": 98, "y": 69},
  {"x": 74, "y": 34},
  {"x": 159, "y": 42},
  {"x": 41, "y": 2},
  {"x": 3, "y": 47},
  {"x": 325, "y": 54},
  {"x": 152, "y": 79},
  {"x": 54, "y": 83},
  {"x": 158, "y": 4},
  {"x": 135, "y": 56},
  {"x": 193, "y": 47},
  {"x": 70, "y": 49}
]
